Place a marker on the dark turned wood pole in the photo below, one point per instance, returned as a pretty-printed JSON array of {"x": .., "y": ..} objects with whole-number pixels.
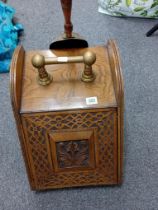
[
  {"x": 68, "y": 39},
  {"x": 66, "y": 7}
]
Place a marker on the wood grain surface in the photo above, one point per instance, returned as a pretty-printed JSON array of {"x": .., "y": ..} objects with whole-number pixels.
[
  {"x": 67, "y": 91},
  {"x": 64, "y": 141}
]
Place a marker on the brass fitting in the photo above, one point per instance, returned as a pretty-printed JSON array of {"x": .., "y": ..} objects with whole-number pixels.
[
  {"x": 39, "y": 62},
  {"x": 89, "y": 59}
]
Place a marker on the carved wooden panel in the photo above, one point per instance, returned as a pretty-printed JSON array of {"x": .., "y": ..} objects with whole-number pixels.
[
  {"x": 94, "y": 161},
  {"x": 73, "y": 148},
  {"x": 72, "y": 154}
]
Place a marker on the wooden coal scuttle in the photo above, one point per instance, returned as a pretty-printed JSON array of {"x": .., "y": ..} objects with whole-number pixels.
[{"x": 69, "y": 115}]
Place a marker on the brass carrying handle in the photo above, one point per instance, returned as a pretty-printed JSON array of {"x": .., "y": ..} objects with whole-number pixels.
[{"x": 39, "y": 62}]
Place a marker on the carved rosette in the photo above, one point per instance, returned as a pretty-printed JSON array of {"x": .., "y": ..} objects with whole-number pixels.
[{"x": 72, "y": 154}]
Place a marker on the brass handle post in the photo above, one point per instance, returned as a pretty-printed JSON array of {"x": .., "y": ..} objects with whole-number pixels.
[
  {"x": 38, "y": 61},
  {"x": 88, "y": 58}
]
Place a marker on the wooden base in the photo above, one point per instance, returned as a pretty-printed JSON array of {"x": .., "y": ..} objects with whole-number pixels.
[{"x": 71, "y": 132}]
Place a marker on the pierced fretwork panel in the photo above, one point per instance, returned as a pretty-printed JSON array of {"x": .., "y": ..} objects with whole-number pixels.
[{"x": 104, "y": 161}]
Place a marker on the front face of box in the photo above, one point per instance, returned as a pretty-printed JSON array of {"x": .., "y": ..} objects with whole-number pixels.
[{"x": 73, "y": 148}]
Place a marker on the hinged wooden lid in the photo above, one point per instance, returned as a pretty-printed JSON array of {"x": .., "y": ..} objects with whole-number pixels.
[{"x": 67, "y": 91}]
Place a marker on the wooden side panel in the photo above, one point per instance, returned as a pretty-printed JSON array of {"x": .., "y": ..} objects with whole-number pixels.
[
  {"x": 118, "y": 83},
  {"x": 16, "y": 73}
]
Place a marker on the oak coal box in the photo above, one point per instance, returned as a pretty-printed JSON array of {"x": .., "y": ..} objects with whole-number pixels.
[{"x": 68, "y": 107}]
